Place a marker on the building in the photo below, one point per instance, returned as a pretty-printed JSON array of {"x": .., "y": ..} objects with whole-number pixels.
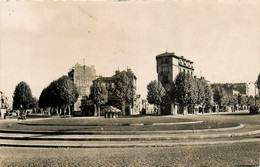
[
  {"x": 3, "y": 101},
  {"x": 147, "y": 108},
  {"x": 169, "y": 65},
  {"x": 137, "y": 105},
  {"x": 233, "y": 88},
  {"x": 82, "y": 76},
  {"x": 3, "y": 105},
  {"x": 252, "y": 90},
  {"x": 113, "y": 100}
]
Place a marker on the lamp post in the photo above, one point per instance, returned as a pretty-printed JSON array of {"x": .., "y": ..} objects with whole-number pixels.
[{"x": 255, "y": 91}]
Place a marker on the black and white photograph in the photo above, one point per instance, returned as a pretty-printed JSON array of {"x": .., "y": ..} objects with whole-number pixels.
[{"x": 129, "y": 83}]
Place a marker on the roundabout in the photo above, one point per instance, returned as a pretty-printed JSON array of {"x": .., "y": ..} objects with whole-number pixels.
[
  {"x": 158, "y": 140},
  {"x": 145, "y": 131}
]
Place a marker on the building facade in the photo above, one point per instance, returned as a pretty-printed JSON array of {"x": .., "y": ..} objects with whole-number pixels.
[
  {"x": 3, "y": 101},
  {"x": 3, "y": 105},
  {"x": 82, "y": 76},
  {"x": 113, "y": 100},
  {"x": 169, "y": 65},
  {"x": 233, "y": 88}
]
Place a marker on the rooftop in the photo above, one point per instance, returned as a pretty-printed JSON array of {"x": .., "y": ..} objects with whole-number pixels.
[{"x": 172, "y": 54}]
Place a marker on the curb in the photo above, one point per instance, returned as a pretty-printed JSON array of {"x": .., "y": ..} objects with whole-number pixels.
[
  {"x": 121, "y": 132},
  {"x": 116, "y": 124},
  {"x": 131, "y": 138},
  {"x": 132, "y": 145}
]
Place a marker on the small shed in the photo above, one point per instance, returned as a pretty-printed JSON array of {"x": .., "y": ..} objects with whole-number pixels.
[{"x": 111, "y": 112}]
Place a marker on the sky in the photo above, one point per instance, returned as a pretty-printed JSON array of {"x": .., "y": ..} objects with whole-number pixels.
[{"x": 41, "y": 41}]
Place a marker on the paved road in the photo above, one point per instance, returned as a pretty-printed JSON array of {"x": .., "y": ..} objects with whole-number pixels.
[
  {"x": 200, "y": 155},
  {"x": 212, "y": 155}
]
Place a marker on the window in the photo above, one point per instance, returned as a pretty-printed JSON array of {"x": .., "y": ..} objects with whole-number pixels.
[
  {"x": 166, "y": 61},
  {"x": 165, "y": 70},
  {"x": 165, "y": 79}
]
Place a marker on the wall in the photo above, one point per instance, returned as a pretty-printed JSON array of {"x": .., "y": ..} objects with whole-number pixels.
[{"x": 83, "y": 77}]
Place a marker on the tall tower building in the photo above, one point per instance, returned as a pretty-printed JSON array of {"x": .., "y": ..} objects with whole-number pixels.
[
  {"x": 82, "y": 76},
  {"x": 169, "y": 65}
]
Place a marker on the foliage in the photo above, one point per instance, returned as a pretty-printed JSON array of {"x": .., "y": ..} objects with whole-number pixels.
[
  {"x": 254, "y": 109},
  {"x": 250, "y": 100},
  {"x": 60, "y": 93},
  {"x": 171, "y": 94},
  {"x": 155, "y": 92},
  {"x": 200, "y": 88},
  {"x": 243, "y": 100},
  {"x": 208, "y": 93},
  {"x": 22, "y": 96},
  {"x": 220, "y": 96},
  {"x": 232, "y": 100},
  {"x": 185, "y": 89},
  {"x": 98, "y": 94},
  {"x": 258, "y": 81},
  {"x": 125, "y": 87}
]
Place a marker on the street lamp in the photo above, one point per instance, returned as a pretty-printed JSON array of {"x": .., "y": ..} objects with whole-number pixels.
[{"x": 255, "y": 90}]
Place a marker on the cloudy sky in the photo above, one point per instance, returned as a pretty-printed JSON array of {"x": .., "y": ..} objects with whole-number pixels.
[{"x": 41, "y": 41}]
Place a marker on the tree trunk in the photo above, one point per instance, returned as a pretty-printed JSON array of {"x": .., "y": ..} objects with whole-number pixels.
[
  {"x": 99, "y": 110},
  {"x": 172, "y": 109},
  {"x": 123, "y": 107},
  {"x": 49, "y": 111},
  {"x": 185, "y": 110},
  {"x": 69, "y": 111},
  {"x": 95, "y": 112},
  {"x": 159, "y": 109}
]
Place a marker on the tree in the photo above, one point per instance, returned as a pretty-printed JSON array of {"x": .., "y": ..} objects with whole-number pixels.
[
  {"x": 186, "y": 90},
  {"x": 207, "y": 93},
  {"x": 258, "y": 82},
  {"x": 125, "y": 87},
  {"x": 220, "y": 96},
  {"x": 155, "y": 94},
  {"x": 60, "y": 93},
  {"x": 35, "y": 104},
  {"x": 233, "y": 101},
  {"x": 43, "y": 99},
  {"x": 22, "y": 96},
  {"x": 200, "y": 93},
  {"x": 250, "y": 101},
  {"x": 243, "y": 101},
  {"x": 99, "y": 95},
  {"x": 171, "y": 96}
]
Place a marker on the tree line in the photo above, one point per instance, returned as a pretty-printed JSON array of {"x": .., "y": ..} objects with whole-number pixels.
[
  {"x": 188, "y": 91},
  {"x": 184, "y": 91}
]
